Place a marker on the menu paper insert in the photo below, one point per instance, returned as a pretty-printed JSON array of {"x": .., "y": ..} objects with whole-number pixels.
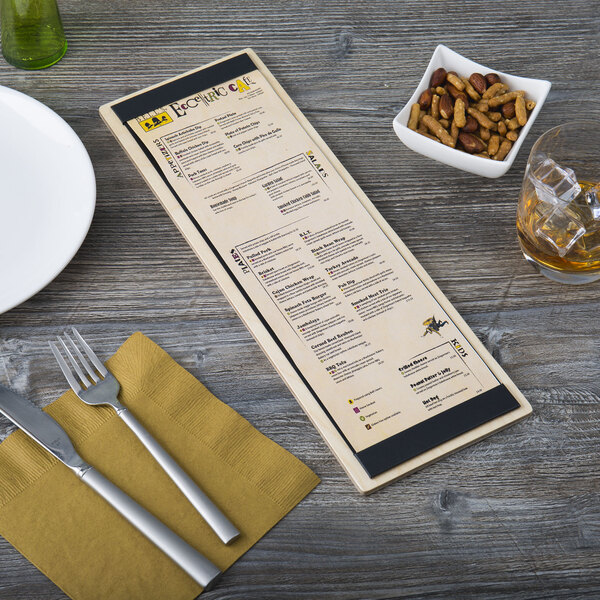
[{"x": 375, "y": 347}]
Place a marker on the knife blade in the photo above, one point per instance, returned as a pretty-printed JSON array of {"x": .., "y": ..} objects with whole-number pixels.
[
  {"x": 40, "y": 426},
  {"x": 50, "y": 435}
]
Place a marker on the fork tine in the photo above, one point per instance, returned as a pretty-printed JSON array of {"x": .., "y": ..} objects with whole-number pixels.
[
  {"x": 65, "y": 368},
  {"x": 84, "y": 380},
  {"x": 84, "y": 362},
  {"x": 91, "y": 354}
]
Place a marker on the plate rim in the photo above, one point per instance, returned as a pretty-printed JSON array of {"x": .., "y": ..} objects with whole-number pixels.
[{"x": 77, "y": 241}]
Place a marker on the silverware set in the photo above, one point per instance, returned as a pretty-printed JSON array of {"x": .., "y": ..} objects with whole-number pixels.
[{"x": 95, "y": 385}]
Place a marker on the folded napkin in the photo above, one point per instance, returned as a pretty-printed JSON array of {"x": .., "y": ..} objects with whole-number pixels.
[{"x": 87, "y": 548}]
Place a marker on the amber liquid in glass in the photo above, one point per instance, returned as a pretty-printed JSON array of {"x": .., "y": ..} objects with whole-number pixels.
[{"x": 583, "y": 256}]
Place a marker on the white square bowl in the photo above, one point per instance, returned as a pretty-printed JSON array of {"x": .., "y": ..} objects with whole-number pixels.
[{"x": 535, "y": 89}]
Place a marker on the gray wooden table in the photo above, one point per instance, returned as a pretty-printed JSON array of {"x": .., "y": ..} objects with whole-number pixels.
[{"x": 515, "y": 516}]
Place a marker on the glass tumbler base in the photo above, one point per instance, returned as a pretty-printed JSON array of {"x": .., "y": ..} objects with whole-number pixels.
[{"x": 568, "y": 277}]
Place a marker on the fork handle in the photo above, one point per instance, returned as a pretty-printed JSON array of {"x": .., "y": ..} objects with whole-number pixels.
[
  {"x": 219, "y": 523},
  {"x": 190, "y": 560}
]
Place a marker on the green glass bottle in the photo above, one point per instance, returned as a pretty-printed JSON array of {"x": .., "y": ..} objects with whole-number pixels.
[{"x": 32, "y": 33}]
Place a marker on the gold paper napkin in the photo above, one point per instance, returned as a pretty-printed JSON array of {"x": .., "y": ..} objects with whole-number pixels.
[{"x": 89, "y": 550}]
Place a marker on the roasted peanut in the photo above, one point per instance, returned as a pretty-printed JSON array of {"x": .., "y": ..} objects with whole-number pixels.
[
  {"x": 482, "y": 106},
  {"x": 444, "y": 123},
  {"x": 415, "y": 109},
  {"x": 512, "y": 136},
  {"x": 494, "y": 116},
  {"x": 504, "y": 149},
  {"x": 435, "y": 127},
  {"x": 501, "y": 127},
  {"x": 440, "y": 91},
  {"x": 484, "y": 134},
  {"x": 459, "y": 112},
  {"x": 520, "y": 110},
  {"x": 530, "y": 104}
]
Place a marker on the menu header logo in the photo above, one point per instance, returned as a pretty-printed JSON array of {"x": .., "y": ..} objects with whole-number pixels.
[
  {"x": 156, "y": 121},
  {"x": 206, "y": 98}
]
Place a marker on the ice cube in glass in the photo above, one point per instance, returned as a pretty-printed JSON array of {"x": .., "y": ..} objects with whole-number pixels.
[
  {"x": 561, "y": 229},
  {"x": 555, "y": 184}
]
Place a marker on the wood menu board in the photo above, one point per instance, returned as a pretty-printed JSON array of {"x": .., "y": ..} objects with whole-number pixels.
[{"x": 377, "y": 357}]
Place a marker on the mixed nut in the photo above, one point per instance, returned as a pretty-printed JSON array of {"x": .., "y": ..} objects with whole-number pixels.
[{"x": 478, "y": 114}]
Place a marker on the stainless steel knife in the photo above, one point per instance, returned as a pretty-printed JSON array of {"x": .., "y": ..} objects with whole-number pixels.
[{"x": 50, "y": 435}]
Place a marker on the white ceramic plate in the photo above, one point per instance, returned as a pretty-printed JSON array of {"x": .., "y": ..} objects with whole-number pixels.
[
  {"x": 535, "y": 89},
  {"x": 47, "y": 196}
]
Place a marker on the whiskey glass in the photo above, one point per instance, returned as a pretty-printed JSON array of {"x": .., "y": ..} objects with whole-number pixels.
[{"x": 558, "y": 215}]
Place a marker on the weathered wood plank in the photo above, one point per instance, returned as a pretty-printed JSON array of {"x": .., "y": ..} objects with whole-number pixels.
[{"x": 515, "y": 516}]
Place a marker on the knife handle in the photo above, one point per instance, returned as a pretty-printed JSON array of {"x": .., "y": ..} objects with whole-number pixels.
[
  {"x": 191, "y": 561},
  {"x": 218, "y": 522}
]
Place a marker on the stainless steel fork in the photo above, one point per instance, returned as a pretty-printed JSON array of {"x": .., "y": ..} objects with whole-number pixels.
[{"x": 99, "y": 387}]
